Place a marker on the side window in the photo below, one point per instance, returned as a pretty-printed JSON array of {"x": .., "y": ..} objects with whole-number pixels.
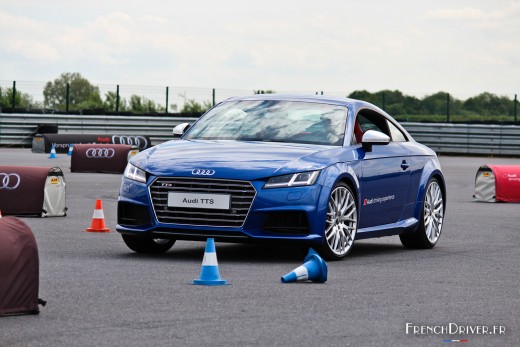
[
  {"x": 369, "y": 120},
  {"x": 396, "y": 134}
]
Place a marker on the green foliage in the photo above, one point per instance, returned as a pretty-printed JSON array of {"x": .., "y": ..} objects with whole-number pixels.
[
  {"x": 366, "y": 96},
  {"x": 22, "y": 100},
  {"x": 435, "y": 104},
  {"x": 140, "y": 104},
  {"x": 192, "y": 106},
  {"x": 82, "y": 95},
  {"x": 111, "y": 101},
  {"x": 488, "y": 104},
  {"x": 85, "y": 96},
  {"x": 435, "y": 107}
]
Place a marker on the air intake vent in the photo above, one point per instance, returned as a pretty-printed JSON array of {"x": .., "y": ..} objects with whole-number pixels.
[
  {"x": 131, "y": 214},
  {"x": 241, "y": 193}
]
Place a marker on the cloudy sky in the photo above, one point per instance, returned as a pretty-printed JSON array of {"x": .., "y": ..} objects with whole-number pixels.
[{"x": 464, "y": 47}]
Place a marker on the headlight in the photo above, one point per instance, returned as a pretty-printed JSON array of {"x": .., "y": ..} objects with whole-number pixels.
[
  {"x": 134, "y": 173},
  {"x": 293, "y": 180}
]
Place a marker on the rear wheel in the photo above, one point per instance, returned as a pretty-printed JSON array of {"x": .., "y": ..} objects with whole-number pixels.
[
  {"x": 432, "y": 218},
  {"x": 147, "y": 245},
  {"x": 340, "y": 224}
]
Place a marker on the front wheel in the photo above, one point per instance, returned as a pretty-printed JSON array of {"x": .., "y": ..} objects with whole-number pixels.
[
  {"x": 147, "y": 245},
  {"x": 432, "y": 218},
  {"x": 340, "y": 224}
]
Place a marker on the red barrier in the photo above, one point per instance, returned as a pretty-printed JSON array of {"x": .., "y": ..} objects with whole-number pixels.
[
  {"x": 498, "y": 183},
  {"x": 32, "y": 190},
  {"x": 19, "y": 268},
  {"x": 101, "y": 158},
  {"x": 61, "y": 142}
]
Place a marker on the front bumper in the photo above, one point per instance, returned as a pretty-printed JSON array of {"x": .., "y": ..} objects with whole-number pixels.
[{"x": 295, "y": 214}]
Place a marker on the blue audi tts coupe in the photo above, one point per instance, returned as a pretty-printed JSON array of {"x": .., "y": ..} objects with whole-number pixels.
[{"x": 312, "y": 170}]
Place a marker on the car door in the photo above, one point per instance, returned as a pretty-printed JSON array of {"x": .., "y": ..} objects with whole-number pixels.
[{"x": 385, "y": 178}]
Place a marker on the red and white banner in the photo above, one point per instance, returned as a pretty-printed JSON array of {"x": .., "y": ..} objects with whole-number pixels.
[
  {"x": 498, "y": 183},
  {"x": 32, "y": 190},
  {"x": 101, "y": 158}
]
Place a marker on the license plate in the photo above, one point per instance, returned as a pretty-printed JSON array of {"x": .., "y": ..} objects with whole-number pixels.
[{"x": 197, "y": 200}]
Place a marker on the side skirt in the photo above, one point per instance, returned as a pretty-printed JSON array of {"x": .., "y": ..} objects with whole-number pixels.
[{"x": 401, "y": 227}]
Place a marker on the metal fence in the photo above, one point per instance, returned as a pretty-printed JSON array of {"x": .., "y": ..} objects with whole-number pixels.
[
  {"x": 170, "y": 99},
  {"x": 472, "y": 139}
]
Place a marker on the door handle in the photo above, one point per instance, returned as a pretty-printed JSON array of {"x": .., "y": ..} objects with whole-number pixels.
[{"x": 404, "y": 165}]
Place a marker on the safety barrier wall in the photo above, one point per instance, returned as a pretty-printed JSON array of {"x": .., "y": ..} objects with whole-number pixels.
[
  {"x": 18, "y": 129},
  {"x": 473, "y": 139}
]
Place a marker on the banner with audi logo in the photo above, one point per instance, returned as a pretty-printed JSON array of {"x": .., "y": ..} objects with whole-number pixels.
[
  {"x": 101, "y": 158},
  {"x": 43, "y": 143},
  {"x": 32, "y": 190}
]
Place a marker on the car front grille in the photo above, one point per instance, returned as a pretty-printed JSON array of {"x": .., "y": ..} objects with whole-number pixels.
[{"x": 242, "y": 194}]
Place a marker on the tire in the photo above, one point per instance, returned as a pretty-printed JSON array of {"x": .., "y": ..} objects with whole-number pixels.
[
  {"x": 147, "y": 245},
  {"x": 432, "y": 217},
  {"x": 340, "y": 224}
]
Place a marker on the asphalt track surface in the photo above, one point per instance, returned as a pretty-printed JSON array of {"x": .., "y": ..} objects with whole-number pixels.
[{"x": 99, "y": 293}]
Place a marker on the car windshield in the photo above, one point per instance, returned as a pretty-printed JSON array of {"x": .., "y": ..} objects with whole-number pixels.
[{"x": 272, "y": 120}]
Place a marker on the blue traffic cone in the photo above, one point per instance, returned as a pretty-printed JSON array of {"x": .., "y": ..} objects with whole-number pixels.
[
  {"x": 53, "y": 153},
  {"x": 314, "y": 269},
  {"x": 209, "y": 274},
  {"x": 71, "y": 147}
]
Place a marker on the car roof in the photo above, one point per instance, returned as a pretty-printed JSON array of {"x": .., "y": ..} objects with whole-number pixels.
[
  {"x": 353, "y": 104},
  {"x": 298, "y": 97}
]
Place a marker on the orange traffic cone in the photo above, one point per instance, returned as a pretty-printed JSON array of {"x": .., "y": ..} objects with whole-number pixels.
[{"x": 98, "y": 219}]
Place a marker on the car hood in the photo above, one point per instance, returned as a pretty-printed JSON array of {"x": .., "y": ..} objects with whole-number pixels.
[{"x": 234, "y": 159}]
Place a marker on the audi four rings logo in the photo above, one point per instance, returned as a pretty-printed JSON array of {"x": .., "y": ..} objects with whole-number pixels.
[
  {"x": 9, "y": 181},
  {"x": 138, "y": 141},
  {"x": 100, "y": 153},
  {"x": 202, "y": 172}
]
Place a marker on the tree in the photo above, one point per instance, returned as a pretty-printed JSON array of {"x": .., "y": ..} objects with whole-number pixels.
[
  {"x": 487, "y": 104},
  {"x": 392, "y": 101},
  {"x": 140, "y": 104},
  {"x": 82, "y": 94},
  {"x": 22, "y": 100},
  {"x": 192, "y": 106},
  {"x": 437, "y": 104},
  {"x": 110, "y": 102}
]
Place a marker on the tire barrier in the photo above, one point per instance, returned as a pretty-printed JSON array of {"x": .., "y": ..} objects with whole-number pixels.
[
  {"x": 32, "y": 190},
  {"x": 101, "y": 158},
  {"x": 42, "y": 143},
  {"x": 19, "y": 268},
  {"x": 498, "y": 183}
]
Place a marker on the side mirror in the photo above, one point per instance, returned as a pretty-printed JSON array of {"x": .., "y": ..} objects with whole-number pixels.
[
  {"x": 372, "y": 137},
  {"x": 180, "y": 129}
]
